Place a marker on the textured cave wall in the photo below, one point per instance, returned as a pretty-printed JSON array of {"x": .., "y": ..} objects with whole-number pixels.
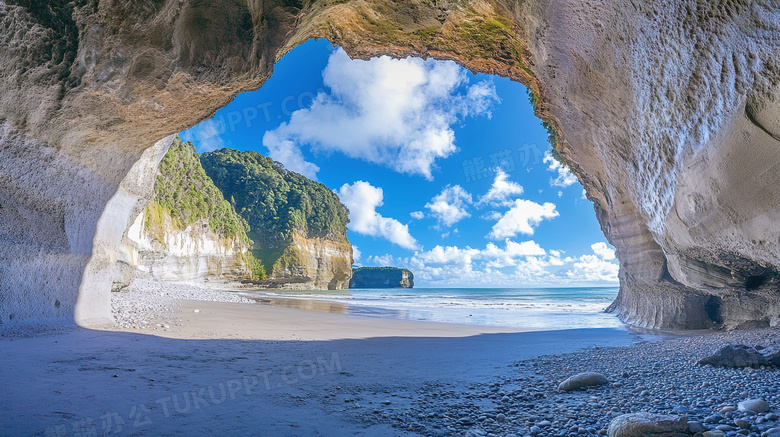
[{"x": 667, "y": 111}]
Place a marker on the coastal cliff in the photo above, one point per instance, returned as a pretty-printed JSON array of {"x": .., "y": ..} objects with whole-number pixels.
[
  {"x": 160, "y": 250},
  {"x": 189, "y": 233},
  {"x": 666, "y": 111},
  {"x": 381, "y": 277},
  {"x": 298, "y": 226}
]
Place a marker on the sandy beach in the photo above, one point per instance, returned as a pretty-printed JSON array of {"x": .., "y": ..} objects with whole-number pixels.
[
  {"x": 204, "y": 367},
  {"x": 233, "y": 367}
]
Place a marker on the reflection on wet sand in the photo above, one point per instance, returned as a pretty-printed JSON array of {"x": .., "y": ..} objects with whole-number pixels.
[
  {"x": 303, "y": 304},
  {"x": 328, "y": 307}
]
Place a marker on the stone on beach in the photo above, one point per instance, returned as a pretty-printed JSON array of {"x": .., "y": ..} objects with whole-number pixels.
[
  {"x": 754, "y": 405},
  {"x": 582, "y": 380},
  {"x": 648, "y": 424},
  {"x": 743, "y": 356},
  {"x": 772, "y": 432}
]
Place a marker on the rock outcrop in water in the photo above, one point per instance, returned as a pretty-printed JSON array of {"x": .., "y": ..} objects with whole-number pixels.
[
  {"x": 667, "y": 111},
  {"x": 381, "y": 277}
]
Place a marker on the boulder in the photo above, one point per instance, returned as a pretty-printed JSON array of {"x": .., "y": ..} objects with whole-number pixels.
[
  {"x": 743, "y": 356},
  {"x": 582, "y": 380},
  {"x": 648, "y": 424},
  {"x": 754, "y": 405}
]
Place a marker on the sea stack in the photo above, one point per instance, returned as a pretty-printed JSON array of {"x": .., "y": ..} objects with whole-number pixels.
[{"x": 381, "y": 277}]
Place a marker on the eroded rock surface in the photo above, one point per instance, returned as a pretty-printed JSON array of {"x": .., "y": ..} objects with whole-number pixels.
[
  {"x": 667, "y": 112},
  {"x": 741, "y": 356}
]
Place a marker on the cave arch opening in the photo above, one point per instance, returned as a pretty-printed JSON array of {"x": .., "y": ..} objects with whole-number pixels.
[{"x": 444, "y": 172}]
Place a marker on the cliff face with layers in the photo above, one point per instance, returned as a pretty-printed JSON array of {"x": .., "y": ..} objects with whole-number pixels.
[
  {"x": 166, "y": 253},
  {"x": 189, "y": 232},
  {"x": 667, "y": 112},
  {"x": 313, "y": 263}
]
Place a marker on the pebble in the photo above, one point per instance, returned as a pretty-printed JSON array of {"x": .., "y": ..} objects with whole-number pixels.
[{"x": 522, "y": 399}]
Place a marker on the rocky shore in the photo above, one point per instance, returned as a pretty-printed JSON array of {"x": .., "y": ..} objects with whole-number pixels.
[
  {"x": 152, "y": 304},
  {"x": 660, "y": 377},
  {"x": 526, "y": 398}
]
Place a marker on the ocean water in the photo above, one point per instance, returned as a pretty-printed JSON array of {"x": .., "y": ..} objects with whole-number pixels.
[{"x": 531, "y": 308}]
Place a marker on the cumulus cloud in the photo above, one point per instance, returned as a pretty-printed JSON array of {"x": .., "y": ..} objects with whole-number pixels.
[
  {"x": 363, "y": 199},
  {"x": 501, "y": 191},
  {"x": 286, "y": 152},
  {"x": 509, "y": 264},
  {"x": 564, "y": 178},
  {"x": 385, "y": 260},
  {"x": 601, "y": 249},
  {"x": 450, "y": 206},
  {"x": 459, "y": 265},
  {"x": 597, "y": 267},
  {"x": 356, "y": 253},
  {"x": 417, "y": 215},
  {"x": 522, "y": 218},
  {"x": 394, "y": 112},
  {"x": 499, "y": 258}
]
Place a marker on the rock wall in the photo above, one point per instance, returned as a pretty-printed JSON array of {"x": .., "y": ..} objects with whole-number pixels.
[
  {"x": 194, "y": 254},
  {"x": 667, "y": 111},
  {"x": 314, "y": 263}
]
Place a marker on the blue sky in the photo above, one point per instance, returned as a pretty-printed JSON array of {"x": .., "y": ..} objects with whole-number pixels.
[{"x": 445, "y": 172}]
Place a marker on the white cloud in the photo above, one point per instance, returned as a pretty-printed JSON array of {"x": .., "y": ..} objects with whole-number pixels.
[
  {"x": 394, "y": 112},
  {"x": 501, "y": 191},
  {"x": 449, "y": 206},
  {"x": 417, "y": 215},
  {"x": 592, "y": 268},
  {"x": 599, "y": 267},
  {"x": 513, "y": 264},
  {"x": 564, "y": 178},
  {"x": 491, "y": 216},
  {"x": 205, "y": 136},
  {"x": 499, "y": 258},
  {"x": 356, "y": 253},
  {"x": 385, "y": 260},
  {"x": 522, "y": 218},
  {"x": 452, "y": 255},
  {"x": 532, "y": 269},
  {"x": 362, "y": 199},
  {"x": 601, "y": 249},
  {"x": 286, "y": 152}
]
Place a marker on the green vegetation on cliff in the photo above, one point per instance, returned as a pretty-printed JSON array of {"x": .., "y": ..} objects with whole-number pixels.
[
  {"x": 276, "y": 203},
  {"x": 185, "y": 193}
]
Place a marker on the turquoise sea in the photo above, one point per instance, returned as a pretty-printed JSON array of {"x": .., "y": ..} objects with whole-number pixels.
[{"x": 531, "y": 308}]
